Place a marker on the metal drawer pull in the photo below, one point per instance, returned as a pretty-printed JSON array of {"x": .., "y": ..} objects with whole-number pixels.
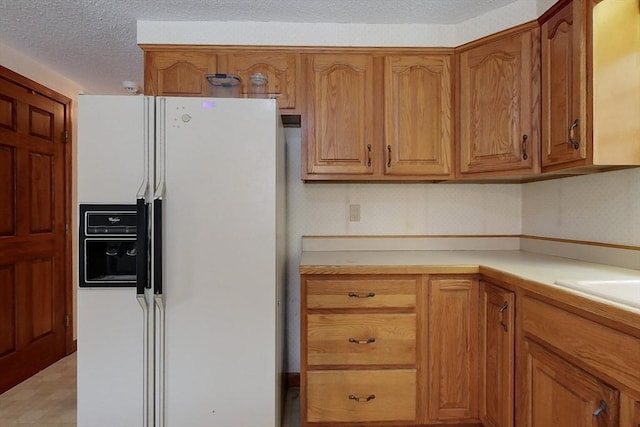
[
  {"x": 525, "y": 156},
  {"x": 367, "y": 341},
  {"x": 359, "y": 295},
  {"x": 369, "y": 155},
  {"x": 602, "y": 408},
  {"x": 574, "y": 142},
  {"x": 362, "y": 399},
  {"x": 500, "y": 312}
]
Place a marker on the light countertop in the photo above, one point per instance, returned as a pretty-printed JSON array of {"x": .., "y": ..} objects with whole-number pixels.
[{"x": 622, "y": 289}]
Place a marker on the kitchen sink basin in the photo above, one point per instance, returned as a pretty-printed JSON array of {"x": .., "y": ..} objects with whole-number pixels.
[{"x": 624, "y": 291}]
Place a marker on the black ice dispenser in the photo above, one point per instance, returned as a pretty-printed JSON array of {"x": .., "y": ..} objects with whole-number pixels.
[{"x": 107, "y": 245}]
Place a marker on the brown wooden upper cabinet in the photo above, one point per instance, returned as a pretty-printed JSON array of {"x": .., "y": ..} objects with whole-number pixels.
[
  {"x": 280, "y": 68},
  {"x": 590, "y": 106},
  {"x": 564, "y": 86},
  {"x": 178, "y": 72},
  {"x": 181, "y": 72},
  {"x": 499, "y": 115},
  {"x": 418, "y": 116},
  {"x": 375, "y": 117},
  {"x": 340, "y": 116}
]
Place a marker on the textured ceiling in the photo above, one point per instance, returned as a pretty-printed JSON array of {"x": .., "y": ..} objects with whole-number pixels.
[{"x": 93, "y": 42}]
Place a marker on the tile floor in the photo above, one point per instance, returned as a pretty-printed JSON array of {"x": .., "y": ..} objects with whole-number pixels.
[{"x": 48, "y": 399}]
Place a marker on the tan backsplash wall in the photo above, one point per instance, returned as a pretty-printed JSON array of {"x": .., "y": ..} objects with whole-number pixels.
[{"x": 602, "y": 208}]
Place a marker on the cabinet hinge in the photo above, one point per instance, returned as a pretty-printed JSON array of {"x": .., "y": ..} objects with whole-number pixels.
[
  {"x": 66, "y": 228},
  {"x": 65, "y": 136},
  {"x": 66, "y": 320}
]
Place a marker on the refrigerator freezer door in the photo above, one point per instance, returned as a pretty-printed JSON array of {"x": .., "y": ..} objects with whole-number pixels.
[
  {"x": 220, "y": 267},
  {"x": 110, "y": 323}
]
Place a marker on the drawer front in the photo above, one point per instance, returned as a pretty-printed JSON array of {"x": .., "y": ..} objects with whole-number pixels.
[
  {"x": 361, "y": 396},
  {"x": 361, "y": 339},
  {"x": 361, "y": 293}
]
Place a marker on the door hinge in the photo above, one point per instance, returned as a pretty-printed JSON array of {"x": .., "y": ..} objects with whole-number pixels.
[
  {"x": 66, "y": 228},
  {"x": 67, "y": 320},
  {"x": 65, "y": 135}
]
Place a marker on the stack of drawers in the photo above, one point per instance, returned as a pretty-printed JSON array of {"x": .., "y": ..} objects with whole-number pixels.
[{"x": 359, "y": 349}]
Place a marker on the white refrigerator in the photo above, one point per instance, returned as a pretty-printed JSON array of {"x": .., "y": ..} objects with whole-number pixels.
[{"x": 200, "y": 342}]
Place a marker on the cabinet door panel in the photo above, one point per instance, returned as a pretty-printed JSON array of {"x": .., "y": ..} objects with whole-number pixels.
[
  {"x": 562, "y": 395},
  {"x": 281, "y": 70},
  {"x": 453, "y": 343},
  {"x": 418, "y": 119},
  {"x": 497, "y": 350},
  {"x": 340, "y": 119},
  {"x": 564, "y": 85},
  {"x": 176, "y": 73},
  {"x": 498, "y": 95}
]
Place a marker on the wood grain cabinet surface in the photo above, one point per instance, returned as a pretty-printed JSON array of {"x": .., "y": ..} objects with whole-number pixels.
[
  {"x": 453, "y": 349},
  {"x": 281, "y": 69},
  {"x": 563, "y": 395},
  {"x": 418, "y": 116},
  {"x": 499, "y": 108},
  {"x": 181, "y": 71},
  {"x": 379, "y": 117},
  {"x": 575, "y": 371},
  {"x": 564, "y": 85},
  {"x": 497, "y": 355},
  {"x": 396, "y": 349},
  {"x": 178, "y": 72},
  {"x": 589, "y": 86},
  {"x": 340, "y": 115},
  {"x": 361, "y": 337}
]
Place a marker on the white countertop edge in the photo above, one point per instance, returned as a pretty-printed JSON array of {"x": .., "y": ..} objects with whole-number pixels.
[
  {"x": 601, "y": 254},
  {"x": 528, "y": 266}
]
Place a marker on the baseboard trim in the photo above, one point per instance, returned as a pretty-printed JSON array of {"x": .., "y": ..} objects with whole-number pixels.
[{"x": 292, "y": 379}]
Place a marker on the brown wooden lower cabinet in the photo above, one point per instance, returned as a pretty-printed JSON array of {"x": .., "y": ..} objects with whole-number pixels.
[
  {"x": 418, "y": 350},
  {"x": 389, "y": 350},
  {"x": 560, "y": 394},
  {"x": 453, "y": 349},
  {"x": 497, "y": 354}
]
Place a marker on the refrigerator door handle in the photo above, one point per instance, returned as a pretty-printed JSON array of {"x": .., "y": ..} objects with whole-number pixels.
[
  {"x": 160, "y": 360},
  {"x": 157, "y": 232},
  {"x": 143, "y": 228},
  {"x": 157, "y": 246},
  {"x": 142, "y": 245},
  {"x": 158, "y": 197},
  {"x": 147, "y": 387},
  {"x": 142, "y": 209}
]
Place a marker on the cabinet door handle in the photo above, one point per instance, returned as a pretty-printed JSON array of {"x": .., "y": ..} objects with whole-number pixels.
[
  {"x": 574, "y": 142},
  {"x": 388, "y": 156},
  {"x": 359, "y": 295},
  {"x": 525, "y": 156},
  {"x": 501, "y": 311},
  {"x": 362, "y": 399},
  {"x": 367, "y": 341},
  {"x": 600, "y": 409},
  {"x": 368, "y": 155}
]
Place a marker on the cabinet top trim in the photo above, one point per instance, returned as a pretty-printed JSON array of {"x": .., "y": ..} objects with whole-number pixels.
[{"x": 296, "y": 49}]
